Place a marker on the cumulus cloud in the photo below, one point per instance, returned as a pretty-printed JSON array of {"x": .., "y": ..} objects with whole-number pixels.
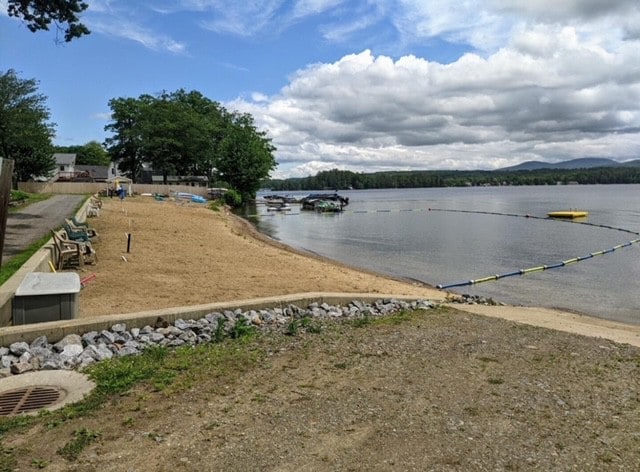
[{"x": 547, "y": 94}]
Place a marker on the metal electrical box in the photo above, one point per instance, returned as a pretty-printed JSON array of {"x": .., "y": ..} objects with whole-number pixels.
[{"x": 45, "y": 296}]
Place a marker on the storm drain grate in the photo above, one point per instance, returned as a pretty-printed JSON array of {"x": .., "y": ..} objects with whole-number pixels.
[{"x": 25, "y": 400}]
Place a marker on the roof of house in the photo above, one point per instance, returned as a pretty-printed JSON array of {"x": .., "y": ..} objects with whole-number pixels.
[
  {"x": 96, "y": 172},
  {"x": 63, "y": 159}
]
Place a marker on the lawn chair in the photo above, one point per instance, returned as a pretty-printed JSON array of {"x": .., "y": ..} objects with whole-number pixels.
[
  {"x": 96, "y": 201},
  {"x": 76, "y": 235},
  {"x": 91, "y": 233},
  {"x": 93, "y": 208},
  {"x": 71, "y": 253},
  {"x": 77, "y": 222},
  {"x": 92, "y": 211}
]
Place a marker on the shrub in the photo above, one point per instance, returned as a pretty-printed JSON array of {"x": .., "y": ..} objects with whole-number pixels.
[
  {"x": 232, "y": 198},
  {"x": 18, "y": 195}
]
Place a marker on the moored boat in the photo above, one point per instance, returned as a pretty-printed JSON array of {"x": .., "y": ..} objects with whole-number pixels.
[
  {"x": 311, "y": 201},
  {"x": 278, "y": 207},
  {"x": 327, "y": 206}
]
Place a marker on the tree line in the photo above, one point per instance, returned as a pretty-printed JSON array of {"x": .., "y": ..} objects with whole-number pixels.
[{"x": 344, "y": 179}]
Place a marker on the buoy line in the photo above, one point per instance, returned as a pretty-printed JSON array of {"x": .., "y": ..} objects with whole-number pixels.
[
  {"x": 529, "y": 270},
  {"x": 543, "y": 267}
]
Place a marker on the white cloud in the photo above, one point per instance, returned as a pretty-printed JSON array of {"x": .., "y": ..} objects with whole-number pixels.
[
  {"x": 549, "y": 93},
  {"x": 241, "y": 18},
  {"x": 102, "y": 116},
  {"x": 134, "y": 32},
  {"x": 304, "y": 8}
]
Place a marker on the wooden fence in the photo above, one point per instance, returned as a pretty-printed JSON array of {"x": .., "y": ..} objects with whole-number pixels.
[
  {"x": 6, "y": 170},
  {"x": 94, "y": 187}
]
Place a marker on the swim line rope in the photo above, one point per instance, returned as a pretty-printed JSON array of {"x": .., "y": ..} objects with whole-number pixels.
[
  {"x": 529, "y": 270},
  {"x": 542, "y": 267}
]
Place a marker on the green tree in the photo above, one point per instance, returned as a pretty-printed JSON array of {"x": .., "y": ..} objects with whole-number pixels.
[
  {"x": 185, "y": 133},
  {"x": 246, "y": 156},
  {"x": 25, "y": 130},
  {"x": 209, "y": 123},
  {"x": 39, "y": 14},
  {"x": 91, "y": 153},
  {"x": 126, "y": 145}
]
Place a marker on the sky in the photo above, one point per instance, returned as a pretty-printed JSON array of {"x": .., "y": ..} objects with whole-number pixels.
[{"x": 360, "y": 85}]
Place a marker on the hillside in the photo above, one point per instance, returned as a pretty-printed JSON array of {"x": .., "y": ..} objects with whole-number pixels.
[{"x": 582, "y": 163}]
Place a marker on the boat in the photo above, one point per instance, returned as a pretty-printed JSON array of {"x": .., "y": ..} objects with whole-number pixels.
[
  {"x": 311, "y": 201},
  {"x": 190, "y": 196},
  {"x": 280, "y": 199},
  {"x": 327, "y": 206},
  {"x": 278, "y": 207},
  {"x": 569, "y": 214}
]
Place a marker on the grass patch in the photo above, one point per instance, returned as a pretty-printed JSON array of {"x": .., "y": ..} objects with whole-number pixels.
[
  {"x": 158, "y": 368},
  {"x": 81, "y": 439},
  {"x": 305, "y": 324},
  {"x": 24, "y": 199},
  {"x": 241, "y": 329},
  {"x": 402, "y": 316},
  {"x": 364, "y": 320},
  {"x": 8, "y": 462},
  {"x": 13, "y": 265}
]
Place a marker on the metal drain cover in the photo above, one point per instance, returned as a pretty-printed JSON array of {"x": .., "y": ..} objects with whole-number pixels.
[
  {"x": 29, "y": 399},
  {"x": 52, "y": 389}
]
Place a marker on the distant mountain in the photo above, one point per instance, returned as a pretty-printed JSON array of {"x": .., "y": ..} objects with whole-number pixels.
[
  {"x": 582, "y": 163},
  {"x": 633, "y": 163}
]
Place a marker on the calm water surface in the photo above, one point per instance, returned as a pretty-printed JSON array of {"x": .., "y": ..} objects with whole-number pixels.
[{"x": 406, "y": 233}]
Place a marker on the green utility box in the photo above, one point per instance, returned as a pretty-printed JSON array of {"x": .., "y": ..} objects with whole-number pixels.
[{"x": 44, "y": 296}]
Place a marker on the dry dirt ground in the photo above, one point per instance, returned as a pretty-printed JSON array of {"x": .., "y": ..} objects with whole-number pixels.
[
  {"x": 438, "y": 390},
  {"x": 185, "y": 254}
]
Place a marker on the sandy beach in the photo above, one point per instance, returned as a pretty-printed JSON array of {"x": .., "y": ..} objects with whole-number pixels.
[{"x": 183, "y": 253}]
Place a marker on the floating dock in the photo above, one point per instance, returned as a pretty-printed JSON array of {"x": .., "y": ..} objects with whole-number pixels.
[{"x": 570, "y": 214}]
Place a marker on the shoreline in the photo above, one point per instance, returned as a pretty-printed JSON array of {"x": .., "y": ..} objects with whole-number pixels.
[
  {"x": 255, "y": 233},
  {"x": 558, "y": 319},
  {"x": 183, "y": 254}
]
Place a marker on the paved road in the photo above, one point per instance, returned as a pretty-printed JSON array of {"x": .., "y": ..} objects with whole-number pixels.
[{"x": 35, "y": 221}]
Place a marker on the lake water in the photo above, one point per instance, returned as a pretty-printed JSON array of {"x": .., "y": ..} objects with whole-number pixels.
[{"x": 443, "y": 236}]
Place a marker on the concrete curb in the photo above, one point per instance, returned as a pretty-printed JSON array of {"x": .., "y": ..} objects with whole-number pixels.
[{"x": 56, "y": 330}]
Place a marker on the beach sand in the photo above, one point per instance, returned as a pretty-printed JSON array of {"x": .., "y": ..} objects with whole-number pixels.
[{"x": 183, "y": 253}]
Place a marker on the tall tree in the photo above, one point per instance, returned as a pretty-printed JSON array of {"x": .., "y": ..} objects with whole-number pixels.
[
  {"x": 208, "y": 124},
  {"x": 125, "y": 146},
  {"x": 245, "y": 157},
  {"x": 39, "y": 14},
  {"x": 25, "y": 130},
  {"x": 91, "y": 153}
]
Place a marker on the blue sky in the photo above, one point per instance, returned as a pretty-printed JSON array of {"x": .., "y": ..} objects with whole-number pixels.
[{"x": 364, "y": 85}]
